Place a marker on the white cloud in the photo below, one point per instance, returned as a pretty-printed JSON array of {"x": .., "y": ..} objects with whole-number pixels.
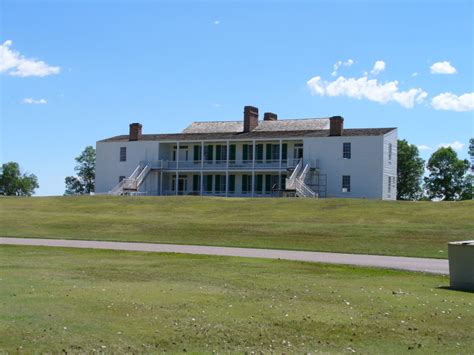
[
  {"x": 414, "y": 74},
  {"x": 450, "y": 102},
  {"x": 217, "y": 22},
  {"x": 424, "y": 147},
  {"x": 456, "y": 145},
  {"x": 364, "y": 88},
  {"x": 444, "y": 67},
  {"x": 379, "y": 66},
  {"x": 15, "y": 64},
  {"x": 31, "y": 101},
  {"x": 340, "y": 63}
]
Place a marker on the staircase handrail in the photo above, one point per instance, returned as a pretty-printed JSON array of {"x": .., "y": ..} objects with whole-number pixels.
[
  {"x": 142, "y": 175},
  {"x": 304, "y": 190},
  {"x": 117, "y": 188},
  {"x": 290, "y": 182},
  {"x": 304, "y": 173}
]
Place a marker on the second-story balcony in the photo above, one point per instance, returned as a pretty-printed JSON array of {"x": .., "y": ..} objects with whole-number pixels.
[{"x": 234, "y": 165}]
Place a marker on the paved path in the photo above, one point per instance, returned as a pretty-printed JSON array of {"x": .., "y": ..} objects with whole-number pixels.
[{"x": 435, "y": 266}]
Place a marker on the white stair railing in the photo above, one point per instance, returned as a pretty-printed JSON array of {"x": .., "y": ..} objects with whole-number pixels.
[
  {"x": 297, "y": 181},
  {"x": 303, "y": 175},
  {"x": 303, "y": 190},
  {"x": 133, "y": 182},
  {"x": 141, "y": 177},
  {"x": 117, "y": 188},
  {"x": 290, "y": 182}
]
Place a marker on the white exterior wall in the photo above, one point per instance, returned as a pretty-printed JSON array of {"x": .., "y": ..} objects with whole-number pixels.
[
  {"x": 109, "y": 167},
  {"x": 390, "y": 165},
  {"x": 365, "y": 166},
  {"x": 369, "y": 166}
]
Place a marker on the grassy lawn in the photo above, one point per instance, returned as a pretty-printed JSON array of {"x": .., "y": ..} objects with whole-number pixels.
[
  {"x": 54, "y": 299},
  {"x": 340, "y": 225}
]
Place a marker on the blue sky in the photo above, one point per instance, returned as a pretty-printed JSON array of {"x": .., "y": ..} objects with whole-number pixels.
[{"x": 76, "y": 72}]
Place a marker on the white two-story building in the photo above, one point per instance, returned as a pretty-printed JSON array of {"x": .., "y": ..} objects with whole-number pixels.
[{"x": 313, "y": 157}]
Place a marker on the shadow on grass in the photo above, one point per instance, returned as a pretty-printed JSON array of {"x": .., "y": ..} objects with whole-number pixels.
[{"x": 449, "y": 288}]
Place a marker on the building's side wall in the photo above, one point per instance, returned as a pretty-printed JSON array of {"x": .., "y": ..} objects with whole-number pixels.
[
  {"x": 390, "y": 165},
  {"x": 365, "y": 166},
  {"x": 109, "y": 167}
]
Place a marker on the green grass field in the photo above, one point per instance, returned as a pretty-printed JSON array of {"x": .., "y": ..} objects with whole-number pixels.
[
  {"x": 55, "y": 300},
  {"x": 339, "y": 225}
]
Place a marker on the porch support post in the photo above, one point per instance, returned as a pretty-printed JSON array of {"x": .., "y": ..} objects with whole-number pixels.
[
  {"x": 161, "y": 182},
  {"x": 202, "y": 155},
  {"x": 253, "y": 168},
  {"x": 281, "y": 165},
  {"x": 227, "y": 172},
  {"x": 177, "y": 166},
  {"x": 201, "y": 183}
]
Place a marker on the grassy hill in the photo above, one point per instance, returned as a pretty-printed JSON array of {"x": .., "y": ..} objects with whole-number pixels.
[{"x": 338, "y": 225}]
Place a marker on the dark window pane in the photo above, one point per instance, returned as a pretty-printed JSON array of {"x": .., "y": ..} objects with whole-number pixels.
[
  {"x": 346, "y": 150},
  {"x": 231, "y": 183},
  {"x": 123, "y": 153}
]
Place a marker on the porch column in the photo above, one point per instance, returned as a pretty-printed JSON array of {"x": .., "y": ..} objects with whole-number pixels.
[
  {"x": 253, "y": 154},
  {"x": 253, "y": 168},
  {"x": 177, "y": 166},
  {"x": 202, "y": 155},
  {"x": 161, "y": 182},
  {"x": 201, "y": 183},
  {"x": 281, "y": 165},
  {"x": 227, "y": 172}
]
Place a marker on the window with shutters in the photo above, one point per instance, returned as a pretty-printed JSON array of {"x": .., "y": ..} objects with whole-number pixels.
[
  {"x": 247, "y": 153},
  {"x": 283, "y": 182},
  {"x": 220, "y": 183},
  {"x": 346, "y": 150},
  {"x": 346, "y": 183},
  {"x": 196, "y": 183},
  {"x": 197, "y": 153},
  {"x": 231, "y": 184},
  {"x": 246, "y": 183},
  {"x": 259, "y": 152},
  {"x": 268, "y": 183},
  {"x": 232, "y": 153},
  {"x": 272, "y": 153},
  {"x": 221, "y": 153},
  {"x": 123, "y": 153},
  {"x": 207, "y": 179},
  {"x": 259, "y": 183},
  {"x": 284, "y": 152},
  {"x": 208, "y": 152},
  {"x": 298, "y": 151}
]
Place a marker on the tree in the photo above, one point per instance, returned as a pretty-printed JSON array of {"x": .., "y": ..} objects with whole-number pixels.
[
  {"x": 84, "y": 182},
  {"x": 471, "y": 153},
  {"x": 14, "y": 183},
  {"x": 410, "y": 169},
  {"x": 448, "y": 179}
]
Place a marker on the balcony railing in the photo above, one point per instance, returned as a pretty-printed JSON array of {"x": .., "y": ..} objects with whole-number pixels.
[{"x": 224, "y": 165}]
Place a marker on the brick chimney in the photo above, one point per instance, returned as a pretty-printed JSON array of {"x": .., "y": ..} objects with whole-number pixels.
[
  {"x": 336, "y": 126},
  {"x": 135, "y": 131},
  {"x": 270, "y": 116},
  {"x": 250, "y": 118}
]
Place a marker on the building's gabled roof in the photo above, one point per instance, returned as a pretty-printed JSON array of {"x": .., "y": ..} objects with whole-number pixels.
[
  {"x": 255, "y": 134},
  {"x": 305, "y": 124}
]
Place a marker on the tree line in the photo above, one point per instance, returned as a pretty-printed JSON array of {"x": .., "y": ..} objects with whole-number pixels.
[{"x": 446, "y": 176}]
